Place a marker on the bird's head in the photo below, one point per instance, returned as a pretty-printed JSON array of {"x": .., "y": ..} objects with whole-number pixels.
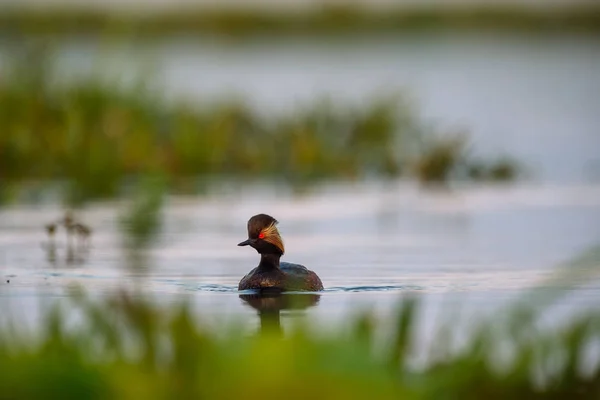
[{"x": 263, "y": 235}]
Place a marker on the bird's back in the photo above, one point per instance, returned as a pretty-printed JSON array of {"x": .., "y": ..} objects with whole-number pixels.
[
  {"x": 260, "y": 278},
  {"x": 288, "y": 276},
  {"x": 300, "y": 278}
]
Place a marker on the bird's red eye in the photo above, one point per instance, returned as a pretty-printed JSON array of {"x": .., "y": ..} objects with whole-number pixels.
[{"x": 261, "y": 235}]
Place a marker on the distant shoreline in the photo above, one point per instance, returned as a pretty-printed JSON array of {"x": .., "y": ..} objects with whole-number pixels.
[{"x": 328, "y": 20}]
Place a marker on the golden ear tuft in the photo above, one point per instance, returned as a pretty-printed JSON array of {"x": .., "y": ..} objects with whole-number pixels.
[{"x": 271, "y": 235}]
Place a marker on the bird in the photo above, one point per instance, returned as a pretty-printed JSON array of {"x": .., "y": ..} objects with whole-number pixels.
[{"x": 271, "y": 274}]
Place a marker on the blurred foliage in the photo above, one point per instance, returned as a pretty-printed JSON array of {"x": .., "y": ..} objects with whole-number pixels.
[
  {"x": 440, "y": 157},
  {"x": 123, "y": 347},
  {"x": 446, "y": 158},
  {"x": 96, "y": 138},
  {"x": 504, "y": 169},
  {"x": 329, "y": 18},
  {"x": 142, "y": 220}
]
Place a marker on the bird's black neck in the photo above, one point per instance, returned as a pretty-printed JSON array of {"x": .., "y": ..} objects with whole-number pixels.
[{"x": 269, "y": 261}]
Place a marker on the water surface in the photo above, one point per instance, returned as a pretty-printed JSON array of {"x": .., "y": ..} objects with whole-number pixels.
[{"x": 477, "y": 247}]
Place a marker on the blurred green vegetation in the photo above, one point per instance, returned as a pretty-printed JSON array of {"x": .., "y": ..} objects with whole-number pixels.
[
  {"x": 330, "y": 18},
  {"x": 123, "y": 347},
  {"x": 442, "y": 158},
  {"x": 141, "y": 221},
  {"x": 96, "y": 138}
]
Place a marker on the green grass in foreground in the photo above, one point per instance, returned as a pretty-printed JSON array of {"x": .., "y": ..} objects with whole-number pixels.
[{"x": 126, "y": 348}]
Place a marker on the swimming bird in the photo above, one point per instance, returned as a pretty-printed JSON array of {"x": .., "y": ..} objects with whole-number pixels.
[{"x": 271, "y": 274}]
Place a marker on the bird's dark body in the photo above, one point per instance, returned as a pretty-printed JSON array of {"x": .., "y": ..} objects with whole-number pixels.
[{"x": 287, "y": 277}]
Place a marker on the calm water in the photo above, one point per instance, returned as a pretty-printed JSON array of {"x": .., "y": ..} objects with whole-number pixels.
[
  {"x": 370, "y": 243},
  {"x": 535, "y": 98}
]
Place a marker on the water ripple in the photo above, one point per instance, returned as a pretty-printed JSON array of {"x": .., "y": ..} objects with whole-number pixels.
[
  {"x": 387, "y": 288},
  {"x": 226, "y": 288},
  {"x": 212, "y": 288}
]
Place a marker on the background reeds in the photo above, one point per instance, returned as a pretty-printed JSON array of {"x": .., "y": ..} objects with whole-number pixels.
[
  {"x": 94, "y": 138},
  {"x": 325, "y": 18}
]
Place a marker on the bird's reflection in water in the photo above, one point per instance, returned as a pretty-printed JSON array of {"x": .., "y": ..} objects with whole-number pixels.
[{"x": 270, "y": 304}]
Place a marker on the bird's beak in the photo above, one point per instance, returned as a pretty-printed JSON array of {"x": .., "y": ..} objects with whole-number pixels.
[{"x": 246, "y": 242}]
